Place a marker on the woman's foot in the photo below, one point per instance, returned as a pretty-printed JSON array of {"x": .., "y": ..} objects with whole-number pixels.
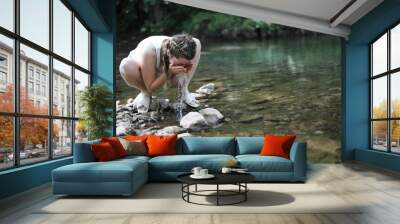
[
  {"x": 190, "y": 100},
  {"x": 142, "y": 102}
]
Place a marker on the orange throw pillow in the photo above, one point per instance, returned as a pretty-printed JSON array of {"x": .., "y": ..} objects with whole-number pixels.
[
  {"x": 277, "y": 145},
  {"x": 116, "y": 145},
  {"x": 103, "y": 152},
  {"x": 136, "y": 138},
  {"x": 161, "y": 145}
]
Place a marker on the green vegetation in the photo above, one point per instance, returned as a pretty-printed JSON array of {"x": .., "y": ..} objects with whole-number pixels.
[
  {"x": 96, "y": 102},
  {"x": 151, "y": 17}
]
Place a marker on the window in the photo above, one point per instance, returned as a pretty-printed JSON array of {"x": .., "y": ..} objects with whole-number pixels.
[
  {"x": 81, "y": 45},
  {"x": 6, "y": 73},
  {"x": 385, "y": 94},
  {"x": 37, "y": 89},
  {"x": 3, "y": 78},
  {"x": 30, "y": 87},
  {"x": 35, "y": 21},
  {"x": 62, "y": 29},
  {"x": 30, "y": 72},
  {"x": 3, "y": 72},
  {"x": 7, "y": 14},
  {"x": 38, "y": 74},
  {"x": 6, "y": 142},
  {"x": 62, "y": 75},
  {"x": 44, "y": 91},
  {"x": 47, "y": 76}
]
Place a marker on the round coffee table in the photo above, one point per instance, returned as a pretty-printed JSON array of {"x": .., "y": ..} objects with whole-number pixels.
[{"x": 238, "y": 179}]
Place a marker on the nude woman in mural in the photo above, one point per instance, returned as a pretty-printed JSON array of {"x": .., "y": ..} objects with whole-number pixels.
[{"x": 158, "y": 59}]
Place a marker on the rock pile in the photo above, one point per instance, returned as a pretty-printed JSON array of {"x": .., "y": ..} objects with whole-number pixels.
[{"x": 162, "y": 110}]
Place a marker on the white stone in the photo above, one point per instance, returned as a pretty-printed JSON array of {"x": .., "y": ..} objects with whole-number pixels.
[
  {"x": 129, "y": 101},
  {"x": 121, "y": 129},
  {"x": 186, "y": 134},
  {"x": 206, "y": 89},
  {"x": 212, "y": 116},
  {"x": 170, "y": 130},
  {"x": 194, "y": 121}
]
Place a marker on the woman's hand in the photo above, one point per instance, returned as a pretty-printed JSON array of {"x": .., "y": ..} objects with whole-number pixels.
[{"x": 177, "y": 69}]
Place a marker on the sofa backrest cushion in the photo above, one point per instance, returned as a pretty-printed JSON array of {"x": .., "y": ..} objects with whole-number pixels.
[
  {"x": 249, "y": 145},
  {"x": 83, "y": 152},
  {"x": 206, "y": 145}
]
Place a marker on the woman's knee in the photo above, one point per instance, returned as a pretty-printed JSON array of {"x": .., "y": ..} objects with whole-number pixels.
[{"x": 128, "y": 66}]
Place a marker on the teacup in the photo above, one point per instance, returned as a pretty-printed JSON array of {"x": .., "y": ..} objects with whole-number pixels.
[
  {"x": 203, "y": 172},
  {"x": 226, "y": 170},
  {"x": 196, "y": 171}
]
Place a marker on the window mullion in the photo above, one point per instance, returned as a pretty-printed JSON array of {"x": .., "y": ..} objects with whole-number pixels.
[
  {"x": 389, "y": 112},
  {"x": 16, "y": 85},
  {"x": 73, "y": 82},
  {"x": 50, "y": 81}
]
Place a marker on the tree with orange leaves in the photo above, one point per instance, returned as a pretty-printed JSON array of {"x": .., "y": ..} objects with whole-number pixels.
[{"x": 33, "y": 130}]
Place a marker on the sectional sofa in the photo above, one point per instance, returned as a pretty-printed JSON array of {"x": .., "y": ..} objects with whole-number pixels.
[{"x": 125, "y": 176}]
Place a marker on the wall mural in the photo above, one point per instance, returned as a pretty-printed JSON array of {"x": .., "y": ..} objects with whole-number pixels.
[{"x": 195, "y": 72}]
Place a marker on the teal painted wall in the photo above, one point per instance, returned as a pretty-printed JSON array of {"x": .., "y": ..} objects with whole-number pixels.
[
  {"x": 99, "y": 15},
  {"x": 24, "y": 178},
  {"x": 356, "y": 85},
  {"x": 103, "y": 51}
]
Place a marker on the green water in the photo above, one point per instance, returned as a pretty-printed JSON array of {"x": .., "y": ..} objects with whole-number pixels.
[{"x": 277, "y": 87}]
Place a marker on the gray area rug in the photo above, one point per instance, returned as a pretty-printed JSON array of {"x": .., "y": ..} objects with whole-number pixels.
[{"x": 166, "y": 198}]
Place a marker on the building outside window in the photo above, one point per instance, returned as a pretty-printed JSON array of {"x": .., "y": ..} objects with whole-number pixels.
[
  {"x": 30, "y": 87},
  {"x": 43, "y": 90},
  {"x": 57, "y": 128},
  {"x": 3, "y": 72},
  {"x": 30, "y": 72},
  {"x": 385, "y": 91}
]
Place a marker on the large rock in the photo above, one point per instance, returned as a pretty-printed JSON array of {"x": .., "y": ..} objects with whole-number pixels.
[
  {"x": 194, "y": 121},
  {"x": 124, "y": 128},
  {"x": 206, "y": 89},
  {"x": 186, "y": 134},
  {"x": 170, "y": 130},
  {"x": 212, "y": 116}
]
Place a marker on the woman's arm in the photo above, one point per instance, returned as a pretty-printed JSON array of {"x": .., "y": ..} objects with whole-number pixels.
[
  {"x": 149, "y": 75},
  {"x": 196, "y": 59}
]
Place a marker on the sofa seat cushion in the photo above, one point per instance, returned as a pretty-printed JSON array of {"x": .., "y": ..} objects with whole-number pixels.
[
  {"x": 113, "y": 171},
  {"x": 257, "y": 163},
  {"x": 185, "y": 163}
]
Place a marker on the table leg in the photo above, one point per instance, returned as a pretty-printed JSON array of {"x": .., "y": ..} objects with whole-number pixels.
[
  {"x": 217, "y": 194},
  {"x": 196, "y": 187},
  {"x": 245, "y": 193},
  {"x": 188, "y": 189}
]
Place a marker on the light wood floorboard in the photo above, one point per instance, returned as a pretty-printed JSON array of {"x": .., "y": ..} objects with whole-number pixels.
[{"x": 378, "y": 189}]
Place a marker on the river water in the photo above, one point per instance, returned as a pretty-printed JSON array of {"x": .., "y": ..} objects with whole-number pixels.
[{"x": 276, "y": 86}]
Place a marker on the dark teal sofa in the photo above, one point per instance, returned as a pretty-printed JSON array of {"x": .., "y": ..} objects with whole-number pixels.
[{"x": 125, "y": 176}]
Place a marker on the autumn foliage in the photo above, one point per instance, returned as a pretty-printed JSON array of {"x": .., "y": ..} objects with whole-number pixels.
[
  {"x": 380, "y": 127},
  {"x": 33, "y": 130}
]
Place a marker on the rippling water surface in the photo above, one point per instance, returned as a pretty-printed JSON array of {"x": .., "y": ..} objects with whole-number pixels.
[{"x": 279, "y": 86}]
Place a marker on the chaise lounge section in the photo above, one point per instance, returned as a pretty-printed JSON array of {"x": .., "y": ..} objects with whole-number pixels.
[{"x": 125, "y": 176}]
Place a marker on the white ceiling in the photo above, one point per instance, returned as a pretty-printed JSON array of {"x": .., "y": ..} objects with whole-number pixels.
[{"x": 314, "y": 15}]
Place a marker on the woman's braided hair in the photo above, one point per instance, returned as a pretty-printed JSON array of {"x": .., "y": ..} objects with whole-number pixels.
[{"x": 179, "y": 46}]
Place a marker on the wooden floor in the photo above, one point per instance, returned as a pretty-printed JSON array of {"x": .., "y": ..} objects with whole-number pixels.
[{"x": 377, "y": 188}]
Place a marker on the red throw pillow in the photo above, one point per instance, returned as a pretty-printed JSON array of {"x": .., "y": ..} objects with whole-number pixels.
[
  {"x": 277, "y": 145},
  {"x": 161, "y": 145},
  {"x": 136, "y": 138},
  {"x": 103, "y": 152},
  {"x": 116, "y": 145}
]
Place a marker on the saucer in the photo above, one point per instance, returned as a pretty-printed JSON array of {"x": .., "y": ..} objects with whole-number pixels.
[{"x": 208, "y": 176}]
